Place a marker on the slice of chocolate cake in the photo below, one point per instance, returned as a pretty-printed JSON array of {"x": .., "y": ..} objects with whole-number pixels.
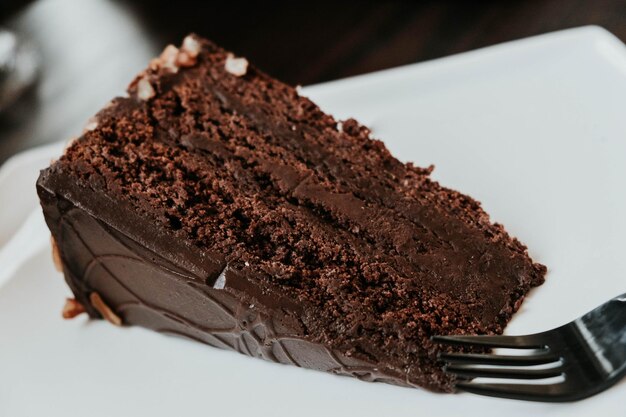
[{"x": 216, "y": 203}]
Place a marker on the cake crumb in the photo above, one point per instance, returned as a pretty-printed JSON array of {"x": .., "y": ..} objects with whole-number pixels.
[
  {"x": 145, "y": 91},
  {"x": 236, "y": 66},
  {"x": 104, "y": 310},
  {"x": 56, "y": 255},
  {"x": 72, "y": 308}
]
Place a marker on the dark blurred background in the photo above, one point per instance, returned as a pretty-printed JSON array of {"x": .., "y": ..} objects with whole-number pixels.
[{"x": 88, "y": 50}]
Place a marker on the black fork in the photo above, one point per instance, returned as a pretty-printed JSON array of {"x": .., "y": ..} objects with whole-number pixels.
[{"x": 569, "y": 363}]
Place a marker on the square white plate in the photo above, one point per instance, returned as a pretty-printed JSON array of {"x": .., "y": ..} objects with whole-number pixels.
[{"x": 535, "y": 129}]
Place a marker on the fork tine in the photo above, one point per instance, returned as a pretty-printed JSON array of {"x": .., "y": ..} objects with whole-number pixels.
[
  {"x": 467, "y": 371},
  {"x": 529, "y": 392},
  {"x": 513, "y": 342},
  {"x": 505, "y": 360}
]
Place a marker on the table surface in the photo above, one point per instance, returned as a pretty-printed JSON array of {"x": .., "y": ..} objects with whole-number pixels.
[{"x": 92, "y": 48}]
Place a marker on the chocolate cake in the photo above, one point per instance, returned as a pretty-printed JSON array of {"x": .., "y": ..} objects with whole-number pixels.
[{"x": 216, "y": 203}]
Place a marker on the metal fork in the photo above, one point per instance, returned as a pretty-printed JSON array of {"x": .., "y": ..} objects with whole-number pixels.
[{"x": 587, "y": 356}]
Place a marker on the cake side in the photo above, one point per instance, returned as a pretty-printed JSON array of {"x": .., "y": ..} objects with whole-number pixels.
[
  {"x": 237, "y": 165},
  {"x": 178, "y": 291}
]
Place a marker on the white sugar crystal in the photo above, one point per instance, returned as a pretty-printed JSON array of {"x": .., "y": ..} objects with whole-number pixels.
[
  {"x": 168, "y": 58},
  {"x": 145, "y": 91},
  {"x": 191, "y": 46},
  {"x": 236, "y": 66}
]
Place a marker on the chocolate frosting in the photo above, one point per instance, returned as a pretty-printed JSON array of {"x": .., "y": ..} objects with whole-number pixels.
[{"x": 180, "y": 291}]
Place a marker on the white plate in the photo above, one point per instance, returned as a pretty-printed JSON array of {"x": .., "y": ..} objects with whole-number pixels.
[{"x": 535, "y": 129}]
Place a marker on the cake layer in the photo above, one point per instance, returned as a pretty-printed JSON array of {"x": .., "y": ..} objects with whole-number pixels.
[{"x": 245, "y": 189}]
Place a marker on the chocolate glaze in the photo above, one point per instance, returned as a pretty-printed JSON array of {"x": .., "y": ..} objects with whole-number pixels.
[
  {"x": 232, "y": 211},
  {"x": 172, "y": 290}
]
